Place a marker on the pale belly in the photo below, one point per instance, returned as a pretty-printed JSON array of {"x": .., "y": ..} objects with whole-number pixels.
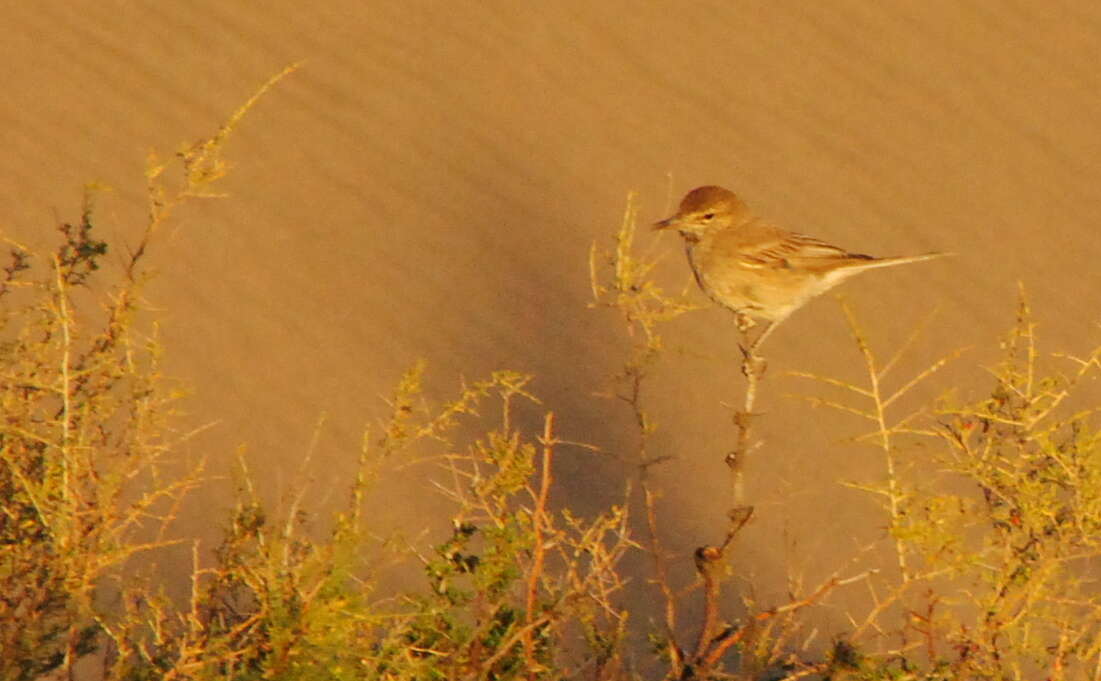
[{"x": 766, "y": 293}]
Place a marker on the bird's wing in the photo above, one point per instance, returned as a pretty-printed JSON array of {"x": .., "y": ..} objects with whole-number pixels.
[{"x": 761, "y": 245}]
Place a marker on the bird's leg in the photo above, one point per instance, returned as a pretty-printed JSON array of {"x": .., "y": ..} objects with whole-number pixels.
[
  {"x": 752, "y": 363},
  {"x": 764, "y": 334},
  {"x": 744, "y": 321}
]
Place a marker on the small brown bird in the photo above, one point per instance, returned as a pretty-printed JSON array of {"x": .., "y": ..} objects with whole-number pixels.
[{"x": 755, "y": 268}]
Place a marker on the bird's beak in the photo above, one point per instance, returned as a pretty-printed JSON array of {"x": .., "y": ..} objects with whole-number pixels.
[{"x": 667, "y": 223}]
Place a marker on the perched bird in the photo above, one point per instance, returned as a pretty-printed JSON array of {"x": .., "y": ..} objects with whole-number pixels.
[{"x": 755, "y": 268}]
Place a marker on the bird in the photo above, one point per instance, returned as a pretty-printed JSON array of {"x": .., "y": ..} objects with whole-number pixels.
[{"x": 755, "y": 268}]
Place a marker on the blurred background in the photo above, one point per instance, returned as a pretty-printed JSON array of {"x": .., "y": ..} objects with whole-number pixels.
[{"x": 430, "y": 182}]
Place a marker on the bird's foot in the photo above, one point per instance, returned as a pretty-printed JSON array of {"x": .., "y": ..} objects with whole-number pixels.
[
  {"x": 752, "y": 364},
  {"x": 744, "y": 321}
]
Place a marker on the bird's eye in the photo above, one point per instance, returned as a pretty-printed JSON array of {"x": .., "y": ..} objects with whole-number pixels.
[{"x": 708, "y": 216}]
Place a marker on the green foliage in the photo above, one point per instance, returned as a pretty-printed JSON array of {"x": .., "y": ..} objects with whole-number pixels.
[
  {"x": 997, "y": 547},
  {"x": 1029, "y": 535},
  {"x": 81, "y": 447}
]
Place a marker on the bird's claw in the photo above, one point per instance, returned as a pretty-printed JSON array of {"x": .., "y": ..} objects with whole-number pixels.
[
  {"x": 744, "y": 321},
  {"x": 752, "y": 363}
]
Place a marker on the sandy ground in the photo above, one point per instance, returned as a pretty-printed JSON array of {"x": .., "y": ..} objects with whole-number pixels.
[{"x": 429, "y": 183}]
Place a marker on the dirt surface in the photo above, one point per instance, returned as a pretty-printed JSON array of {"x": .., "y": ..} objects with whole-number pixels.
[{"x": 429, "y": 183}]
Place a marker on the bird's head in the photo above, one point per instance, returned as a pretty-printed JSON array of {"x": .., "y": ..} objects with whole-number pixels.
[{"x": 706, "y": 209}]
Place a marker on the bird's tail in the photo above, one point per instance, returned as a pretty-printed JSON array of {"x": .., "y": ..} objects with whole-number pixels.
[{"x": 868, "y": 262}]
